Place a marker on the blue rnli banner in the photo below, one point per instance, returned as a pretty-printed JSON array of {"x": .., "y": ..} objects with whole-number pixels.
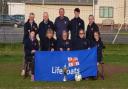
[{"x": 49, "y": 66}]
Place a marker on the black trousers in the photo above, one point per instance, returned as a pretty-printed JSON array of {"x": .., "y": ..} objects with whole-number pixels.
[{"x": 30, "y": 62}]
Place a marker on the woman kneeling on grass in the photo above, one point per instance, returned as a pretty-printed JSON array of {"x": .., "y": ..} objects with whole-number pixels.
[{"x": 100, "y": 46}]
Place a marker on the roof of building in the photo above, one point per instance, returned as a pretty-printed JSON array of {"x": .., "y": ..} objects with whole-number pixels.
[
  {"x": 16, "y": 1},
  {"x": 59, "y": 2}
]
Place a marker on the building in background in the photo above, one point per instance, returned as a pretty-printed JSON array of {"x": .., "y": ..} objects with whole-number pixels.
[
  {"x": 16, "y": 8},
  {"x": 52, "y": 7},
  {"x": 105, "y": 11},
  {"x": 110, "y": 9},
  {"x": 111, "y": 13}
]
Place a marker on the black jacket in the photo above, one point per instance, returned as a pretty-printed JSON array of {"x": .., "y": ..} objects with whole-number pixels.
[
  {"x": 75, "y": 25},
  {"x": 61, "y": 25},
  {"x": 80, "y": 44},
  {"x": 27, "y": 28},
  {"x": 64, "y": 44},
  {"x": 43, "y": 27},
  {"x": 48, "y": 44},
  {"x": 90, "y": 31},
  {"x": 100, "y": 46},
  {"x": 30, "y": 45}
]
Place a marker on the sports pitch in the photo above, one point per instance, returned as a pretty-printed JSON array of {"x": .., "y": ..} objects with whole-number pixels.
[{"x": 116, "y": 71}]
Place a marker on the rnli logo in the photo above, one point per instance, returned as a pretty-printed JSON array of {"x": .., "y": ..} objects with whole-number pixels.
[
  {"x": 92, "y": 29},
  {"x": 65, "y": 22},
  {"x": 73, "y": 61},
  {"x": 49, "y": 26},
  {"x": 79, "y": 24},
  {"x": 67, "y": 42}
]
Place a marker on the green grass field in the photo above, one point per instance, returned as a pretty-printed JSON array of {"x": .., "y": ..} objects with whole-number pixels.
[{"x": 115, "y": 57}]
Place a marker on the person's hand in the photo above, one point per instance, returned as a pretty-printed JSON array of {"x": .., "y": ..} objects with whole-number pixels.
[
  {"x": 33, "y": 51},
  {"x": 68, "y": 49},
  {"x": 52, "y": 49},
  {"x": 61, "y": 49},
  {"x": 89, "y": 48}
]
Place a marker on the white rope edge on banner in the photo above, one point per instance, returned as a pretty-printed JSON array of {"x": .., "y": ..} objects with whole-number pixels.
[{"x": 113, "y": 42}]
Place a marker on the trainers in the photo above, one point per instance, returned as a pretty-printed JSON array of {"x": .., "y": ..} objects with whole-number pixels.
[
  {"x": 32, "y": 78},
  {"x": 102, "y": 77},
  {"x": 23, "y": 73}
]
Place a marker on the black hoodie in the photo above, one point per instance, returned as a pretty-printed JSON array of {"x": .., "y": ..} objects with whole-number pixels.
[
  {"x": 80, "y": 43},
  {"x": 28, "y": 27}
]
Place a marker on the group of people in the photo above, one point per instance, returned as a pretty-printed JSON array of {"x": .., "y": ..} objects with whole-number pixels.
[{"x": 55, "y": 36}]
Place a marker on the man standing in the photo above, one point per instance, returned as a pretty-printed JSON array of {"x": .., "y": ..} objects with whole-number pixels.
[
  {"x": 43, "y": 27},
  {"x": 29, "y": 25},
  {"x": 61, "y": 23},
  {"x": 91, "y": 28},
  {"x": 76, "y": 24}
]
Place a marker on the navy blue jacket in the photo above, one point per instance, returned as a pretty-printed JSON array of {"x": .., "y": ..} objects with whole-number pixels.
[
  {"x": 100, "y": 46},
  {"x": 80, "y": 43},
  {"x": 43, "y": 27},
  {"x": 90, "y": 31},
  {"x": 64, "y": 44},
  {"x": 30, "y": 45},
  {"x": 28, "y": 27},
  {"x": 75, "y": 25},
  {"x": 49, "y": 44},
  {"x": 61, "y": 25}
]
